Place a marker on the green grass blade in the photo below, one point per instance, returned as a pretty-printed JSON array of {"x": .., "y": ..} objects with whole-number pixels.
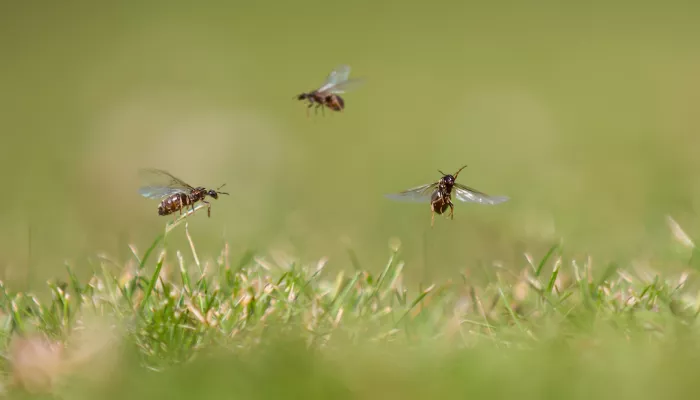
[
  {"x": 414, "y": 303},
  {"x": 544, "y": 259},
  {"x": 553, "y": 277},
  {"x": 147, "y": 254},
  {"x": 151, "y": 284}
]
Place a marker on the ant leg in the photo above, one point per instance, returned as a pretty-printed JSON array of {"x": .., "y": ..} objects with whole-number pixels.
[
  {"x": 452, "y": 210},
  {"x": 208, "y": 208},
  {"x": 432, "y": 218}
]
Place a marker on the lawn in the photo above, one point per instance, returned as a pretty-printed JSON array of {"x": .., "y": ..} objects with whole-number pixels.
[{"x": 266, "y": 326}]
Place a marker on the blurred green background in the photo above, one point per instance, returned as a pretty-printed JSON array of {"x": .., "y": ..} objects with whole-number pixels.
[
  {"x": 586, "y": 115},
  {"x": 616, "y": 369}
]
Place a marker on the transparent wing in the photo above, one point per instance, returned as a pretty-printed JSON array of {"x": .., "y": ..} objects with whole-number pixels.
[
  {"x": 337, "y": 76},
  {"x": 159, "y": 183},
  {"x": 158, "y": 177},
  {"x": 467, "y": 194},
  {"x": 158, "y": 192},
  {"x": 345, "y": 86},
  {"x": 419, "y": 194}
]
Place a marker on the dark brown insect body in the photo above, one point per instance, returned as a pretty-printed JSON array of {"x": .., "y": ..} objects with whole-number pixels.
[
  {"x": 439, "y": 194},
  {"x": 327, "y": 96},
  {"x": 321, "y": 100},
  {"x": 441, "y": 198},
  {"x": 180, "y": 201},
  {"x": 173, "y": 193}
]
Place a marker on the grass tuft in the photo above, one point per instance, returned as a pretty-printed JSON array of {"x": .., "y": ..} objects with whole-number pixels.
[{"x": 173, "y": 316}]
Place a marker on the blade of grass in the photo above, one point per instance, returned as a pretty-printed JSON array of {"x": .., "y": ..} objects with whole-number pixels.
[
  {"x": 414, "y": 303},
  {"x": 337, "y": 302},
  {"x": 147, "y": 254},
  {"x": 172, "y": 225},
  {"x": 553, "y": 277},
  {"x": 194, "y": 251},
  {"x": 381, "y": 278},
  {"x": 151, "y": 284},
  {"x": 544, "y": 259},
  {"x": 75, "y": 284}
]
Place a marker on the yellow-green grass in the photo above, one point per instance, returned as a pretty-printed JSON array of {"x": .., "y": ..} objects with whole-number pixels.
[{"x": 179, "y": 324}]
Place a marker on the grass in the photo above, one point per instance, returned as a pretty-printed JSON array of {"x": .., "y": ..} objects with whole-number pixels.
[{"x": 267, "y": 327}]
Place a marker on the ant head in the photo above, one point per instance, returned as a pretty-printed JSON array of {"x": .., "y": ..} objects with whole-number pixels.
[
  {"x": 302, "y": 96},
  {"x": 450, "y": 179},
  {"x": 215, "y": 193}
]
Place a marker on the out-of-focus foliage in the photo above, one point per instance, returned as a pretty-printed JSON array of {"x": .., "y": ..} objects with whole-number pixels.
[
  {"x": 268, "y": 326},
  {"x": 585, "y": 115}
]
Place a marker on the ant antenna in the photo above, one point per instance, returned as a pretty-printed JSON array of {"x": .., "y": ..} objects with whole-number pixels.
[
  {"x": 217, "y": 189},
  {"x": 458, "y": 171}
]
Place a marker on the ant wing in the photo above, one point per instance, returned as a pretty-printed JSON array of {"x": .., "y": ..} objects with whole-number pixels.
[
  {"x": 338, "y": 75},
  {"x": 158, "y": 177},
  {"x": 469, "y": 195},
  {"x": 419, "y": 194},
  {"x": 158, "y": 192},
  {"x": 159, "y": 183},
  {"x": 345, "y": 86}
]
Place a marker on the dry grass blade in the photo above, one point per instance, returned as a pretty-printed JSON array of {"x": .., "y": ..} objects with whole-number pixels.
[
  {"x": 190, "y": 211},
  {"x": 678, "y": 233}
]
